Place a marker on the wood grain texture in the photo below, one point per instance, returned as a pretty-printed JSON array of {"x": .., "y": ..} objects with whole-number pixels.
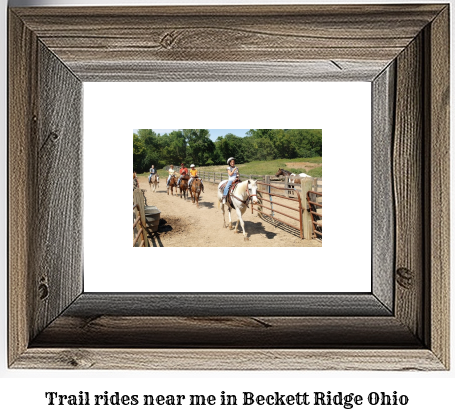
[
  {"x": 383, "y": 215},
  {"x": 232, "y": 304},
  {"x": 227, "y": 34},
  {"x": 408, "y": 188},
  {"x": 53, "y": 49},
  {"x": 57, "y": 229},
  {"x": 235, "y": 359},
  {"x": 226, "y": 332},
  {"x": 438, "y": 214},
  {"x": 22, "y": 94},
  {"x": 309, "y": 71}
]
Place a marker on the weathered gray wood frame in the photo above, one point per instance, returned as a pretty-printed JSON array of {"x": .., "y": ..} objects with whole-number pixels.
[{"x": 403, "y": 50}]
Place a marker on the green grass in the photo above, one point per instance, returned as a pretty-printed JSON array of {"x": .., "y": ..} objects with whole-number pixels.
[
  {"x": 260, "y": 167},
  {"x": 316, "y": 172},
  {"x": 270, "y": 167}
]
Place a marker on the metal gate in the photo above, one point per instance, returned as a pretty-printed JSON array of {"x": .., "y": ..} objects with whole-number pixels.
[
  {"x": 315, "y": 210},
  {"x": 272, "y": 214}
]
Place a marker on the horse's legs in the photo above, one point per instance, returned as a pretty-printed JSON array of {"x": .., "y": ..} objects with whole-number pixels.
[
  {"x": 224, "y": 220},
  {"x": 236, "y": 230},
  {"x": 230, "y": 218},
  {"x": 245, "y": 236}
]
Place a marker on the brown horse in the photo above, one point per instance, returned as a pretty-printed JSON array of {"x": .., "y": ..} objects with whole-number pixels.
[
  {"x": 195, "y": 190},
  {"x": 184, "y": 186},
  {"x": 293, "y": 178},
  {"x": 282, "y": 172},
  {"x": 172, "y": 184}
]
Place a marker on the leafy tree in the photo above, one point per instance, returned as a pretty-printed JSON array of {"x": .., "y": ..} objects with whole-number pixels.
[
  {"x": 231, "y": 146},
  {"x": 195, "y": 146},
  {"x": 139, "y": 154},
  {"x": 200, "y": 146}
]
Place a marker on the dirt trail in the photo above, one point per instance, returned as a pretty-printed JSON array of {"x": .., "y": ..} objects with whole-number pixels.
[{"x": 186, "y": 225}]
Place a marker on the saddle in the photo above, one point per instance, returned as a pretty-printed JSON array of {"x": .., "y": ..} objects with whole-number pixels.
[{"x": 231, "y": 191}]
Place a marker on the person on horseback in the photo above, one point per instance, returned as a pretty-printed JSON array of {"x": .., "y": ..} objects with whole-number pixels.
[
  {"x": 171, "y": 172},
  {"x": 152, "y": 172},
  {"x": 193, "y": 175},
  {"x": 233, "y": 173},
  {"x": 183, "y": 171}
]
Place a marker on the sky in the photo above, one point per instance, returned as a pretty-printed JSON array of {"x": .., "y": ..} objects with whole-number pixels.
[{"x": 214, "y": 133}]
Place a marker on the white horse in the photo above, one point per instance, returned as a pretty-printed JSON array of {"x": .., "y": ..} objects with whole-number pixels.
[
  {"x": 154, "y": 182},
  {"x": 244, "y": 192},
  {"x": 293, "y": 177}
]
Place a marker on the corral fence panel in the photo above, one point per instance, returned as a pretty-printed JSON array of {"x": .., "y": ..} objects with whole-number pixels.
[
  {"x": 314, "y": 200},
  {"x": 139, "y": 222},
  {"x": 289, "y": 211},
  {"x": 217, "y": 177},
  {"x": 283, "y": 203}
]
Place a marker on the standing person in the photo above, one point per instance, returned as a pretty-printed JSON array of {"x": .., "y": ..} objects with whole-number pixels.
[
  {"x": 183, "y": 171},
  {"x": 171, "y": 172},
  {"x": 135, "y": 180},
  {"x": 193, "y": 175},
  {"x": 233, "y": 173},
  {"x": 152, "y": 172}
]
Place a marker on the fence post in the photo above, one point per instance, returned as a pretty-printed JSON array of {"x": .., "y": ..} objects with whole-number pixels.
[
  {"x": 272, "y": 213},
  {"x": 138, "y": 198},
  {"x": 306, "y": 185},
  {"x": 286, "y": 186}
]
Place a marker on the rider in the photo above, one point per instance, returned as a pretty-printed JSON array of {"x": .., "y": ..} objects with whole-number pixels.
[
  {"x": 152, "y": 172},
  {"x": 171, "y": 172},
  {"x": 193, "y": 175},
  {"x": 233, "y": 173},
  {"x": 183, "y": 171}
]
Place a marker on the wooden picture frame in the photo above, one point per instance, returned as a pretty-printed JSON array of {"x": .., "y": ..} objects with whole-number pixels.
[{"x": 403, "y": 324}]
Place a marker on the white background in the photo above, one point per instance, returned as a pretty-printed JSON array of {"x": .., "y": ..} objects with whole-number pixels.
[
  {"x": 341, "y": 109},
  {"x": 23, "y": 391}
]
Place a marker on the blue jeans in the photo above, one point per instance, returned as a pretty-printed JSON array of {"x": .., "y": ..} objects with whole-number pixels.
[{"x": 228, "y": 186}]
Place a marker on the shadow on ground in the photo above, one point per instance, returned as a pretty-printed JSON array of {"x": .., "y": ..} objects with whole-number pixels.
[
  {"x": 208, "y": 205},
  {"x": 255, "y": 228}
]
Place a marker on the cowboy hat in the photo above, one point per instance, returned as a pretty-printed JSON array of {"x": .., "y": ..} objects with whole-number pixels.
[
  {"x": 229, "y": 159},
  {"x": 192, "y": 165}
]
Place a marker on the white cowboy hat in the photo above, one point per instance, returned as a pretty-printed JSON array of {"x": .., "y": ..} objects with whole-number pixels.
[
  {"x": 229, "y": 159},
  {"x": 192, "y": 165}
]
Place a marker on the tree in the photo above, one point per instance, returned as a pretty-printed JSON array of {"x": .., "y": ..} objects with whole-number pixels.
[
  {"x": 261, "y": 145},
  {"x": 307, "y": 143},
  {"x": 231, "y": 146},
  {"x": 200, "y": 147},
  {"x": 139, "y": 154},
  {"x": 175, "y": 148}
]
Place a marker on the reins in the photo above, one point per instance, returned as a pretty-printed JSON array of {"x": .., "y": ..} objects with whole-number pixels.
[{"x": 249, "y": 197}]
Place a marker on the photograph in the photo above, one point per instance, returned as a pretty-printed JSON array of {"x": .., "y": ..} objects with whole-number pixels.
[
  {"x": 236, "y": 292},
  {"x": 210, "y": 187}
]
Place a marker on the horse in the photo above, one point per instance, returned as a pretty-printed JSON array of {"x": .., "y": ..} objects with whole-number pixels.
[
  {"x": 172, "y": 184},
  {"x": 195, "y": 190},
  {"x": 184, "y": 186},
  {"x": 244, "y": 193},
  {"x": 154, "y": 182},
  {"x": 293, "y": 178}
]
